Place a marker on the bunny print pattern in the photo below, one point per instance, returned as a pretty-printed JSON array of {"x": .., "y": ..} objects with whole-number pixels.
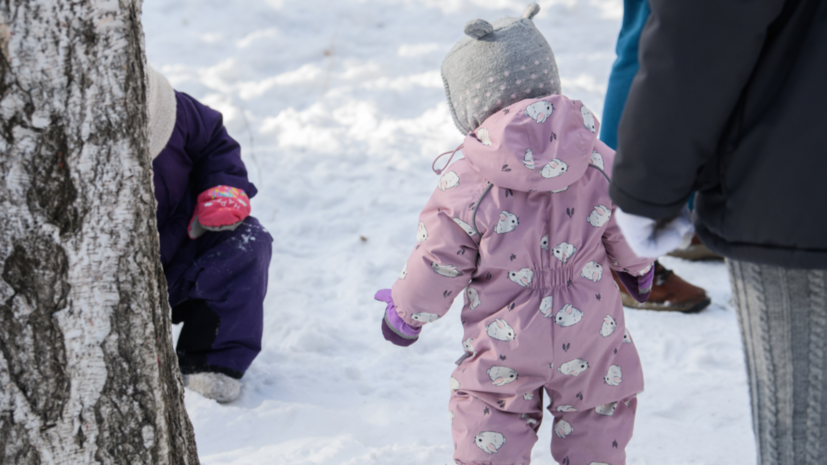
[
  {"x": 500, "y": 376},
  {"x": 404, "y": 273},
  {"x": 449, "y": 271},
  {"x": 574, "y": 367},
  {"x": 465, "y": 227},
  {"x": 596, "y": 159},
  {"x": 563, "y": 429},
  {"x": 545, "y": 306},
  {"x": 606, "y": 410},
  {"x": 530, "y": 422},
  {"x": 522, "y": 277},
  {"x": 588, "y": 118},
  {"x": 564, "y": 251},
  {"x": 468, "y": 346},
  {"x": 473, "y": 297},
  {"x": 425, "y": 317},
  {"x": 489, "y": 441},
  {"x": 568, "y": 316},
  {"x": 614, "y": 376},
  {"x": 599, "y": 216},
  {"x": 500, "y": 330},
  {"x": 482, "y": 135},
  {"x": 593, "y": 271},
  {"x": 421, "y": 233},
  {"x": 554, "y": 168},
  {"x": 508, "y": 222},
  {"x": 608, "y": 326},
  {"x": 449, "y": 180},
  {"x": 528, "y": 159},
  {"x": 539, "y": 111}
]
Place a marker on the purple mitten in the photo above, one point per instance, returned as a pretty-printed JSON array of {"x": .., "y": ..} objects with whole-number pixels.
[
  {"x": 638, "y": 287},
  {"x": 394, "y": 327}
]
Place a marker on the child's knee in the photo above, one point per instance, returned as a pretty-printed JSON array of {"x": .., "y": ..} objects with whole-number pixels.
[{"x": 254, "y": 241}]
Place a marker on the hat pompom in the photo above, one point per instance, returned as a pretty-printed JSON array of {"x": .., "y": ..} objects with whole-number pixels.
[
  {"x": 478, "y": 28},
  {"x": 531, "y": 11}
]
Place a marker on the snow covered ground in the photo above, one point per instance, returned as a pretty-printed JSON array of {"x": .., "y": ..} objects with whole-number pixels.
[{"x": 340, "y": 111}]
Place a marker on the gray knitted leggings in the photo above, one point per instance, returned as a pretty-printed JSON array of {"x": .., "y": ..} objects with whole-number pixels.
[{"x": 783, "y": 318}]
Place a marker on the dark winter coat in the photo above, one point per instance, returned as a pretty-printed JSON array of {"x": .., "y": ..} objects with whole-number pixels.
[
  {"x": 730, "y": 101},
  {"x": 199, "y": 155}
]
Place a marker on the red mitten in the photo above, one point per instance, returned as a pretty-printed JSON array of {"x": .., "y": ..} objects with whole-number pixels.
[{"x": 221, "y": 208}]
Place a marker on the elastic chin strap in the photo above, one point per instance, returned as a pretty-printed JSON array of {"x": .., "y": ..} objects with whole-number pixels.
[{"x": 439, "y": 171}]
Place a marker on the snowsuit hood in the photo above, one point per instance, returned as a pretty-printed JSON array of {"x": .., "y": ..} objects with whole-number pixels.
[{"x": 534, "y": 145}]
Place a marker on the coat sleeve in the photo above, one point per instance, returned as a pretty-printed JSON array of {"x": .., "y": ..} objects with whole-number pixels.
[
  {"x": 216, "y": 156},
  {"x": 696, "y": 57},
  {"x": 442, "y": 262},
  {"x": 621, "y": 257}
]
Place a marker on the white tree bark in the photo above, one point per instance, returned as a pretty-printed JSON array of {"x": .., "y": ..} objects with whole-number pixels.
[{"x": 87, "y": 372}]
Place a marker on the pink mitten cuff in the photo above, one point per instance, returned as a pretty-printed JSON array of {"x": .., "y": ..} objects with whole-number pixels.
[{"x": 221, "y": 208}]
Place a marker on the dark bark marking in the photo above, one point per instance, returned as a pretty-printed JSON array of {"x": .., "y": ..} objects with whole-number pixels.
[
  {"x": 80, "y": 437},
  {"x": 14, "y": 442},
  {"x": 33, "y": 344},
  {"x": 52, "y": 189},
  {"x": 126, "y": 397},
  {"x": 4, "y": 56}
]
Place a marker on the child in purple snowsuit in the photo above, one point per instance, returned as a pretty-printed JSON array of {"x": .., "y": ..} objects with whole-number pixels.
[
  {"x": 215, "y": 256},
  {"x": 523, "y": 228}
]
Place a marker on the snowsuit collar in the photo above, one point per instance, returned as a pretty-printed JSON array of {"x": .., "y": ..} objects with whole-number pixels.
[{"x": 533, "y": 145}]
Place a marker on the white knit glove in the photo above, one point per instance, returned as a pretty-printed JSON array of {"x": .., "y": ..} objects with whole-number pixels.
[{"x": 650, "y": 238}]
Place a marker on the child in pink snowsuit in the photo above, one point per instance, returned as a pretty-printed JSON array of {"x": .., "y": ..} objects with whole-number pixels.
[{"x": 523, "y": 228}]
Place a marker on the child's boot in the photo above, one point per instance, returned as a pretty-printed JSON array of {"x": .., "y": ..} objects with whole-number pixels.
[
  {"x": 215, "y": 386},
  {"x": 669, "y": 293}
]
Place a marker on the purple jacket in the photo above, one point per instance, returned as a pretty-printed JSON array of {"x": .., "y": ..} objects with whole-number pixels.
[{"x": 199, "y": 155}]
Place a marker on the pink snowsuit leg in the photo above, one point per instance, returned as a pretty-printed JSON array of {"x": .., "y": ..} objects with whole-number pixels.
[
  {"x": 600, "y": 437},
  {"x": 486, "y": 435}
]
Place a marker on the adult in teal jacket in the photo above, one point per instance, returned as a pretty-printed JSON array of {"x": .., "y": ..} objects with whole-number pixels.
[
  {"x": 635, "y": 13},
  {"x": 670, "y": 292}
]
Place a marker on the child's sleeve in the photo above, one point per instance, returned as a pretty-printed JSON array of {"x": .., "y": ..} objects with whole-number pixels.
[
  {"x": 216, "y": 156},
  {"x": 635, "y": 273},
  {"x": 442, "y": 262}
]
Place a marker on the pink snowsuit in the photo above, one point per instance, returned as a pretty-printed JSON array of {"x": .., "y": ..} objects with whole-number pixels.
[{"x": 523, "y": 227}]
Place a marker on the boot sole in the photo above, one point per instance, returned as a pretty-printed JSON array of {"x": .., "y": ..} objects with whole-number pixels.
[{"x": 628, "y": 301}]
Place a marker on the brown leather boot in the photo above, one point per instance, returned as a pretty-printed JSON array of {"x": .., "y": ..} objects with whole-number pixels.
[
  {"x": 696, "y": 251},
  {"x": 669, "y": 293}
]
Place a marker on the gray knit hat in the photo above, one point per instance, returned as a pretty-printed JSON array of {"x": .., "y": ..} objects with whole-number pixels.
[
  {"x": 162, "y": 111},
  {"x": 497, "y": 65}
]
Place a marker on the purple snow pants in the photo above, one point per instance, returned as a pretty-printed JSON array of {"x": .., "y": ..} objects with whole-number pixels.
[{"x": 217, "y": 285}]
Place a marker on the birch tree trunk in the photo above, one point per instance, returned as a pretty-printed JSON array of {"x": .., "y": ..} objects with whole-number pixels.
[{"x": 87, "y": 373}]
